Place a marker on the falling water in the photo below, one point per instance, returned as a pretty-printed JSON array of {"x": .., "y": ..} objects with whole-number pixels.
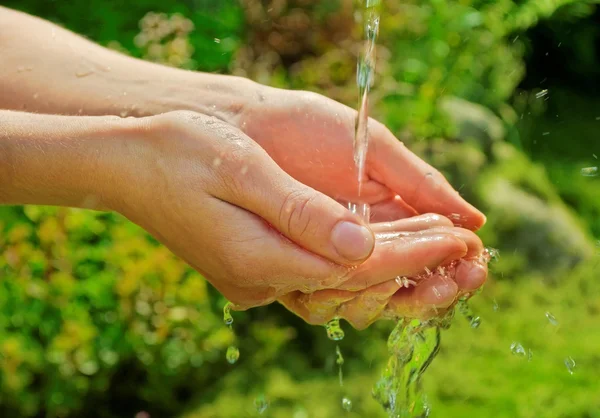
[
  {"x": 365, "y": 75},
  {"x": 233, "y": 353},
  {"x": 412, "y": 346}
]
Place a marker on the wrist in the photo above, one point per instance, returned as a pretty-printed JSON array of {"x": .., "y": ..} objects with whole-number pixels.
[
  {"x": 62, "y": 161},
  {"x": 225, "y": 97}
]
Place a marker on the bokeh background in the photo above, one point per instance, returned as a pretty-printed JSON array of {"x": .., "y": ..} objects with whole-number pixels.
[{"x": 98, "y": 320}]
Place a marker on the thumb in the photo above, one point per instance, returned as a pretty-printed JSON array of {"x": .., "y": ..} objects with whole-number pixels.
[{"x": 307, "y": 217}]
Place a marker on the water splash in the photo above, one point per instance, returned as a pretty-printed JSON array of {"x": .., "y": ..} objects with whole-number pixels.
[
  {"x": 466, "y": 311},
  {"x": 412, "y": 346},
  {"x": 334, "y": 331},
  {"x": 589, "y": 171}
]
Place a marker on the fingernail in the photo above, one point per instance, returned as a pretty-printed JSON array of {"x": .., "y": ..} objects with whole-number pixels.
[
  {"x": 470, "y": 276},
  {"x": 352, "y": 241},
  {"x": 440, "y": 295}
]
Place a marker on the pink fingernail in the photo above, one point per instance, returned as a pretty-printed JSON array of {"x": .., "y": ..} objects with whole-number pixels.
[{"x": 352, "y": 241}]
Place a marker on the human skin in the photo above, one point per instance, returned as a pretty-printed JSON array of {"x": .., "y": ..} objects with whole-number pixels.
[{"x": 308, "y": 136}]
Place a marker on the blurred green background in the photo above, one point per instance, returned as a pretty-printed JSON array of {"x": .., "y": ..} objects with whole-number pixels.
[{"x": 98, "y": 320}]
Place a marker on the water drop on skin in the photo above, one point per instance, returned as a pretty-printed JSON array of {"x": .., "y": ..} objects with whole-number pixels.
[
  {"x": 334, "y": 331},
  {"x": 233, "y": 354},
  {"x": 347, "y": 404}
]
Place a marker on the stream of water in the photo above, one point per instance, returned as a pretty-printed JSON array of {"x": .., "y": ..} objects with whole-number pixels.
[{"x": 413, "y": 344}]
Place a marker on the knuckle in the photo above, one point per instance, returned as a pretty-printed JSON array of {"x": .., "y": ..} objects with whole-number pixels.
[{"x": 295, "y": 216}]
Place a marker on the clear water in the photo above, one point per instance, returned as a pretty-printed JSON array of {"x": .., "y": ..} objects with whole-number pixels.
[
  {"x": 261, "y": 404},
  {"x": 412, "y": 346},
  {"x": 365, "y": 76},
  {"x": 233, "y": 353},
  {"x": 334, "y": 331},
  {"x": 339, "y": 360},
  {"x": 347, "y": 404}
]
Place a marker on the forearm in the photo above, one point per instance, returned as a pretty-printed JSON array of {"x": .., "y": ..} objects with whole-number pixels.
[
  {"x": 62, "y": 161},
  {"x": 47, "y": 69}
]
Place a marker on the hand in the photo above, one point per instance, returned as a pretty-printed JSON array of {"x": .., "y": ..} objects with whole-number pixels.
[
  {"x": 424, "y": 294},
  {"x": 311, "y": 138},
  {"x": 215, "y": 198}
]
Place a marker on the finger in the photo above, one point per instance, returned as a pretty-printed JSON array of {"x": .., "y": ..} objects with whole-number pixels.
[
  {"x": 474, "y": 243},
  {"x": 434, "y": 293},
  {"x": 412, "y": 224},
  {"x": 419, "y": 184},
  {"x": 319, "y": 307},
  {"x": 366, "y": 307},
  {"x": 407, "y": 255},
  {"x": 470, "y": 275},
  {"x": 256, "y": 264},
  {"x": 307, "y": 217}
]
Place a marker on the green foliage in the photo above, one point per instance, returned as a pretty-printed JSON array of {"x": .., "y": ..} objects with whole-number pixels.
[{"x": 84, "y": 295}]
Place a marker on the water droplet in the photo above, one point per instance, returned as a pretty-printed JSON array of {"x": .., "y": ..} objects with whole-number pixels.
[
  {"x": 475, "y": 322},
  {"x": 495, "y": 306},
  {"x": 233, "y": 354},
  {"x": 546, "y": 134},
  {"x": 347, "y": 404},
  {"x": 594, "y": 155},
  {"x": 217, "y": 41},
  {"x": 551, "y": 319},
  {"x": 517, "y": 349},
  {"x": 529, "y": 354},
  {"x": 570, "y": 364},
  {"x": 82, "y": 74},
  {"x": 490, "y": 255},
  {"x": 334, "y": 331},
  {"x": 227, "y": 317},
  {"x": 437, "y": 292},
  {"x": 541, "y": 94},
  {"x": 340, "y": 362},
  {"x": 589, "y": 171},
  {"x": 217, "y": 162},
  {"x": 339, "y": 358},
  {"x": 261, "y": 404},
  {"x": 244, "y": 170}
]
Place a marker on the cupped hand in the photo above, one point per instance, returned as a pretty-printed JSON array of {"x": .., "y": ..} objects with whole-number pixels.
[
  {"x": 311, "y": 138},
  {"x": 419, "y": 287},
  {"x": 216, "y": 199}
]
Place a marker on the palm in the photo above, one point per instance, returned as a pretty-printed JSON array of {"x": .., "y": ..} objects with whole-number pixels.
[{"x": 311, "y": 138}]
